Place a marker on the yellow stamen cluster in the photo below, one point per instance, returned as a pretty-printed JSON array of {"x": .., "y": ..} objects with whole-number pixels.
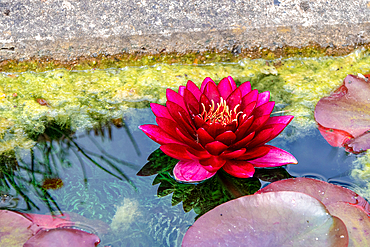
[{"x": 220, "y": 113}]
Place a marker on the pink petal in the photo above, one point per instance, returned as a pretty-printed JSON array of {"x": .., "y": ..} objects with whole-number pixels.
[
  {"x": 180, "y": 116},
  {"x": 227, "y": 137},
  {"x": 231, "y": 126},
  {"x": 190, "y": 100},
  {"x": 198, "y": 122},
  {"x": 259, "y": 123},
  {"x": 160, "y": 110},
  {"x": 181, "y": 90},
  {"x": 193, "y": 89},
  {"x": 212, "y": 164},
  {"x": 243, "y": 142},
  {"x": 168, "y": 125},
  {"x": 186, "y": 138},
  {"x": 175, "y": 98},
  {"x": 278, "y": 124},
  {"x": 245, "y": 88},
  {"x": 157, "y": 134},
  {"x": 279, "y": 120},
  {"x": 242, "y": 130},
  {"x": 176, "y": 110},
  {"x": 249, "y": 98},
  {"x": 263, "y": 98},
  {"x": 204, "y": 137},
  {"x": 234, "y": 99},
  {"x": 254, "y": 153},
  {"x": 198, "y": 155},
  {"x": 215, "y": 129},
  {"x": 233, "y": 155},
  {"x": 191, "y": 171},
  {"x": 275, "y": 157},
  {"x": 247, "y": 110},
  {"x": 177, "y": 151},
  {"x": 260, "y": 138},
  {"x": 264, "y": 109},
  {"x": 205, "y": 104},
  {"x": 239, "y": 169},
  {"x": 216, "y": 147},
  {"x": 212, "y": 93},
  {"x": 232, "y": 83},
  {"x": 224, "y": 87},
  {"x": 205, "y": 82}
]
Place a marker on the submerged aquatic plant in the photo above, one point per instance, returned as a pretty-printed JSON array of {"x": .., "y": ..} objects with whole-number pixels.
[
  {"x": 218, "y": 126},
  {"x": 344, "y": 116}
]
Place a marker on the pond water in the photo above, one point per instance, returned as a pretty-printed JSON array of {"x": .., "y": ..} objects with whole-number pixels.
[
  {"x": 128, "y": 212},
  {"x": 91, "y": 173}
]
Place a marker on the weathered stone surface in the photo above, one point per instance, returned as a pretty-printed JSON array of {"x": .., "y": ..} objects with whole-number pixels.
[{"x": 64, "y": 29}]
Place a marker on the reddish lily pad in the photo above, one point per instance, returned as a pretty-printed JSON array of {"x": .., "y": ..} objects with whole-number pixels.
[
  {"x": 15, "y": 229},
  {"x": 62, "y": 237},
  {"x": 46, "y": 222},
  {"x": 22, "y": 229},
  {"x": 270, "y": 219},
  {"x": 346, "y": 113},
  {"x": 325, "y": 192},
  {"x": 343, "y": 203},
  {"x": 356, "y": 220}
]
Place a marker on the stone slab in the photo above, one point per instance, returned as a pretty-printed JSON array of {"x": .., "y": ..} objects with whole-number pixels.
[{"x": 66, "y": 29}]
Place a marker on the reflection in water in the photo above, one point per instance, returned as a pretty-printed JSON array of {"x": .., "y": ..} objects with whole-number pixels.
[
  {"x": 31, "y": 175},
  {"x": 137, "y": 217}
]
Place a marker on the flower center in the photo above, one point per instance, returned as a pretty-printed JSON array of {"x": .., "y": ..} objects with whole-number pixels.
[{"x": 220, "y": 113}]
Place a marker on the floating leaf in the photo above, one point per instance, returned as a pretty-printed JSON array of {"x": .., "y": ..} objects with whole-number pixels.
[
  {"x": 62, "y": 237},
  {"x": 343, "y": 203},
  {"x": 325, "y": 192},
  {"x": 158, "y": 162},
  {"x": 356, "y": 220},
  {"x": 49, "y": 221},
  {"x": 206, "y": 195},
  {"x": 21, "y": 229},
  {"x": 270, "y": 219},
  {"x": 345, "y": 114},
  {"x": 15, "y": 229}
]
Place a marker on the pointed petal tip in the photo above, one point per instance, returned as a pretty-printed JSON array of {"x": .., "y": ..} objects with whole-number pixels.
[{"x": 275, "y": 157}]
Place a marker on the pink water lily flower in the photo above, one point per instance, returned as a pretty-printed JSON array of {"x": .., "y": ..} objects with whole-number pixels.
[{"x": 218, "y": 126}]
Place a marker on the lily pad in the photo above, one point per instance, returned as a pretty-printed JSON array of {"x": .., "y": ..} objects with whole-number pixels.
[
  {"x": 324, "y": 192},
  {"x": 356, "y": 220},
  {"x": 15, "y": 229},
  {"x": 21, "y": 229},
  {"x": 270, "y": 219},
  {"x": 61, "y": 237},
  {"x": 345, "y": 115}
]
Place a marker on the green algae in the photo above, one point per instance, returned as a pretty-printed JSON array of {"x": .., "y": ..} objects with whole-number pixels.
[
  {"x": 361, "y": 172},
  {"x": 83, "y": 99}
]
